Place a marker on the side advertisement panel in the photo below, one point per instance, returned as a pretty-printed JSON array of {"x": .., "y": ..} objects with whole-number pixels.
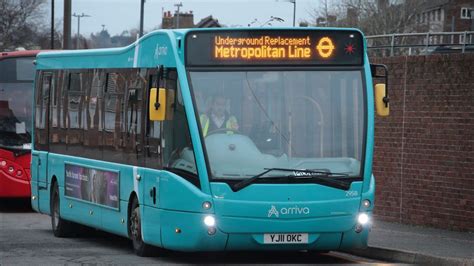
[{"x": 93, "y": 185}]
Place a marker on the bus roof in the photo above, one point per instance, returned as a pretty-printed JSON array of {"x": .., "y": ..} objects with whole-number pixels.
[
  {"x": 24, "y": 53},
  {"x": 157, "y": 47}
]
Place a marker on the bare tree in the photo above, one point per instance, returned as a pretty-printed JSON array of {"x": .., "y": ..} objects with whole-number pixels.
[
  {"x": 374, "y": 17},
  {"x": 20, "y": 23},
  {"x": 327, "y": 14},
  {"x": 386, "y": 17}
]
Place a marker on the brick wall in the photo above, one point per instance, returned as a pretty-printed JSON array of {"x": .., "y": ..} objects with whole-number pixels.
[{"x": 424, "y": 156}]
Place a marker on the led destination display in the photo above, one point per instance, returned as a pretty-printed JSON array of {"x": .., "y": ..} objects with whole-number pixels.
[
  {"x": 262, "y": 47},
  {"x": 271, "y": 47}
]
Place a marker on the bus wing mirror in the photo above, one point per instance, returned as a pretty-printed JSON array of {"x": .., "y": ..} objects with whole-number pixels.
[
  {"x": 381, "y": 100},
  {"x": 381, "y": 89},
  {"x": 157, "y": 108}
]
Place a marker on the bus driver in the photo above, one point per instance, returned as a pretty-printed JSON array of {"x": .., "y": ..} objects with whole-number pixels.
[{"x": 218, "y": 118}]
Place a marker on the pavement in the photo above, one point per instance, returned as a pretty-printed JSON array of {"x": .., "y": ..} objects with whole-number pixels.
[{"x": 418, "y": 245}]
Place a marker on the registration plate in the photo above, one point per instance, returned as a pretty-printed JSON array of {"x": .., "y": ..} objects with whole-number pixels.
[{"x": 298, "y": 238}]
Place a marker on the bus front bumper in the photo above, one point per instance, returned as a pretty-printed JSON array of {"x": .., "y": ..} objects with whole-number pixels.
[
  {"x": 186, "y": 231},
  {"x": 12, "y": 187}
]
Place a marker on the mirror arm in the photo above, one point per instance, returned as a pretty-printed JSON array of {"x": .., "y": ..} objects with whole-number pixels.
[
  {"x": 386, "y": 99},
  {"x": 160, "y": 78}
]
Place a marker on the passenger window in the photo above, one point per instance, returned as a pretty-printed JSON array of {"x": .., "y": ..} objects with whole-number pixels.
[
  {"x": 114, "y": 133},
  {"x": 42, "y": 100},
  {"x": 95, "y": 99},
  {"x": 93, "y": 113},
  {"x": 132, "y": 117},
  {"x": 110, "y": 102},
  {"x": 74, "y": 100}
]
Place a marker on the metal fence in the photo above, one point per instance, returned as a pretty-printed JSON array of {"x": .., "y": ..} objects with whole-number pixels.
[{"x": 421, "y": 43}]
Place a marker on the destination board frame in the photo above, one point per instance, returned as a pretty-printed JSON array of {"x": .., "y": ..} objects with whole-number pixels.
[{"x": 274, "y": 48}]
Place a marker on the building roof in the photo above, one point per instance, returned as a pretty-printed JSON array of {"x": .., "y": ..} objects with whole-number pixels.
[
  {"x": 208, "y": 22},
  {"x": 18, "y": 53},
  {"x": 432, "y": 4}
]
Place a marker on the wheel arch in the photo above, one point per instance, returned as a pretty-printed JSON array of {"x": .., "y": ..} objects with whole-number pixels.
[
  {"x": 54, "y": 181},
  {"x": 133, "y": 196}
]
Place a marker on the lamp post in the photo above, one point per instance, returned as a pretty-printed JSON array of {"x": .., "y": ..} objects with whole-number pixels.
[
  {"x": 294, "y": 12},
  {"x": 142, "y": 8},
  {"x": 52, "y": 24},
  {"x": 294, "y": 9},
  {"x": 67, "y": 25},
  {"x": 79, "y": 26}
]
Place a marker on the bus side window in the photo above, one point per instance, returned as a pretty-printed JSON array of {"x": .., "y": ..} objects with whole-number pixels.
[
  {"x": 93, "y": 134},
  {"x": 55, "y": 110},
  {"x": 114, "y": 118},
  {"x": 132, "y": 117},
  {"x": 42, "y": 100},
  {"x": 75, "y": 100}
]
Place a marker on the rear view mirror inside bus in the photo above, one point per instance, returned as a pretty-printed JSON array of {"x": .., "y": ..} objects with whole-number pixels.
[
  {"x": 381, "y": 101},
  {"x": 157, "y": 108}
]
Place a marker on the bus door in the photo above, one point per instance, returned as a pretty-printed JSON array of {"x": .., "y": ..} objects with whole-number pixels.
[
  {"x": 153, "y": 163},
  {"x": 153, "y": 142},
  {"x": 158, "y": 140}
]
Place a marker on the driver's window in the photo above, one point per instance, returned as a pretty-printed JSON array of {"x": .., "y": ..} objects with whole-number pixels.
[{"x": 178, "y": 152}]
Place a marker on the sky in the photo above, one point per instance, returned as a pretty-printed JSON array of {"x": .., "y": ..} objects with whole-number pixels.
[{"x": 120, "y": 15}]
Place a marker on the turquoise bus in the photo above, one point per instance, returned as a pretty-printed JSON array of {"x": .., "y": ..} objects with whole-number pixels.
[{"x": 208, "y": 140}]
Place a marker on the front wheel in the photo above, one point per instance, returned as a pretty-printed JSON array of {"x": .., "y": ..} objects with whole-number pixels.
[
  {"x": 61, "y": 228},
  {"x": 135, "y": 231}
]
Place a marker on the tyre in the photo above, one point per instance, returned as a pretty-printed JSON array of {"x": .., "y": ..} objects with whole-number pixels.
[
  {"x": 61, "y": 228},
  {"x": 135, "y": 231}
]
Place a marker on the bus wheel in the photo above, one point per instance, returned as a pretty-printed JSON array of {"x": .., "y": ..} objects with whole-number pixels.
[
  {"x": 61, "y": 228},
  {"x": 135, "y": 229}
]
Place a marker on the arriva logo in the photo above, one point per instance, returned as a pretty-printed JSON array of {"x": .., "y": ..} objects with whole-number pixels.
[
  {"x": 287, "y": 211},
  {"x": 273, "y": 211}
]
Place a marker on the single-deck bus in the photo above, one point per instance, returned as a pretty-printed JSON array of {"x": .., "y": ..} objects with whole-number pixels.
[
  {"x": 17, "y": 73},
  {"x": 207, "y": 140}
]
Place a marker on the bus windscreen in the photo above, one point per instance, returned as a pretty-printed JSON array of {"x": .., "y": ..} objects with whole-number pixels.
[{"x": 274, "y": 47}]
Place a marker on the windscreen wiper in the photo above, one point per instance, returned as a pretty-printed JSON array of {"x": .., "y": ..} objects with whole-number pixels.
[{"x": 324, "y": 177}]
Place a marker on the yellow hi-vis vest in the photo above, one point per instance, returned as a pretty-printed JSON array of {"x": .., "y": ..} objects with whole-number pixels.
[{"x": 231, "y": 123}]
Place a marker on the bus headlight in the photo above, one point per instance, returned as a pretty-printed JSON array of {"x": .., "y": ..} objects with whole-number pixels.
[
  {"x": 210, "y": 221},
  {"x": 3, "y": 163},
  {"x": 363, "y": 218}
]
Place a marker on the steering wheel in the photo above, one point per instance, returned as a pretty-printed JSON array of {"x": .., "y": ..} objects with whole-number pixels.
[{"x": 219, "y": 130}]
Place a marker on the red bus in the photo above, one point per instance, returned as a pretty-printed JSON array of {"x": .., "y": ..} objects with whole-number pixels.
[{"x": 17, "y": 73}]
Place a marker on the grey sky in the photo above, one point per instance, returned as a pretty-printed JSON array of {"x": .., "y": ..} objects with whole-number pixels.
[{"x": 120, "y": 15}]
